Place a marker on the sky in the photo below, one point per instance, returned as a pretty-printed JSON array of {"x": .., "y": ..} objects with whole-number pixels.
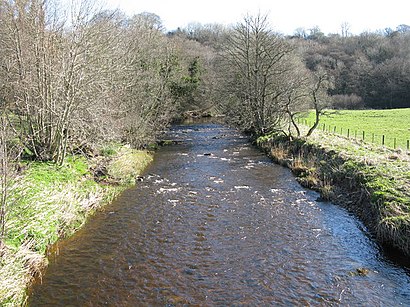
[{"x": 285, "y": 15}]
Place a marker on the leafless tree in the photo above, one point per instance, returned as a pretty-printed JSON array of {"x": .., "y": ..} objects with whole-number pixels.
[
  {"x": 4, "y": 177},
  {"x": 47, "y": 74},
  {"x": 295, "y": 100},
  {"x": 345, "y": 28},
  {"x": 319, "y": 98},
  {"x": 60, "y": 73},
  {"x": 150, "y": 64},
  {"x": 255, "y": 61},
  {"x": 9, "y": 154}
]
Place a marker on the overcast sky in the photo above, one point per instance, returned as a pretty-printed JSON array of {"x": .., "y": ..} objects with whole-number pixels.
[{"x": 285, "y": 15}]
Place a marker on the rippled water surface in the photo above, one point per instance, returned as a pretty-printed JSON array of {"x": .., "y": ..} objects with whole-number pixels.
[{"x": 216, "y": 223}]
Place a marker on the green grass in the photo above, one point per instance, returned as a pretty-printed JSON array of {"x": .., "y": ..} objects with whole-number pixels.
[
  {"x": 48, "y": 202},
  {"x": 393, "y": 124},
  {"x": 384, "y": 171}
]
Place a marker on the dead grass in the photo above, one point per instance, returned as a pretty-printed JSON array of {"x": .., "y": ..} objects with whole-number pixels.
[
  {"x": 18, "y": 268},
  {"x": 129, "y": 164},
  {"x": 278, "y": 151}
]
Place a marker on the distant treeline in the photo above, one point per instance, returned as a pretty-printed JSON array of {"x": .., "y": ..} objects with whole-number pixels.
[
  {"x": 370, "y": 70},
  {"x": 373, "y": 67}
]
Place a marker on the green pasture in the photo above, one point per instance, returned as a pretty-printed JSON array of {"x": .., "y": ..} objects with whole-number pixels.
[{"x": 394, "y": 125}]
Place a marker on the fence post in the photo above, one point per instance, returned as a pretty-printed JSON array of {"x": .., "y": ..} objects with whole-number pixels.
[
  {"x": 324, "y": 126},
  {"x": 383, "y": 140},
  {"x": 334, "y": 129},
  {"x": 363, "y": 135},
  {"x": 408, "y": 144},
  {"x": 348, "y": 132}
]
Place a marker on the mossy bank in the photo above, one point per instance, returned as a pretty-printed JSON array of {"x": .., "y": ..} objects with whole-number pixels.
[
  {"x": 372, "y": 182},
  {"x": 47, "y": 202}
]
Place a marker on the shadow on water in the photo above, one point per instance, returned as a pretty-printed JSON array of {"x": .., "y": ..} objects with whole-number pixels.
[{"x": 216, "y": 223}]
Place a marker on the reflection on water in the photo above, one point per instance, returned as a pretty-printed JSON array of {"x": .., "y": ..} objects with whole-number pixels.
[{"x": 216, "y": 223}]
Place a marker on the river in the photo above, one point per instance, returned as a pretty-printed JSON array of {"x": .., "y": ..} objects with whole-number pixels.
[{"x": 216, "y": 223}]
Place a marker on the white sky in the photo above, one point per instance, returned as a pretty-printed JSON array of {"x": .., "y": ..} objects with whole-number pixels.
[{"x": 285, "y": 15}]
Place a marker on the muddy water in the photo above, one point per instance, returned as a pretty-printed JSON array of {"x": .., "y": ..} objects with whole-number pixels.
[{"x": 216, "y": 223}]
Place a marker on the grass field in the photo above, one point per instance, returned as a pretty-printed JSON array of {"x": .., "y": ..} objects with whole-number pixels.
[{"x": 394, "y": 125}]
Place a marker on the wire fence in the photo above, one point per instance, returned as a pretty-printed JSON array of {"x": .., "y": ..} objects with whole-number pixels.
[{"x": 368, "y": 137}]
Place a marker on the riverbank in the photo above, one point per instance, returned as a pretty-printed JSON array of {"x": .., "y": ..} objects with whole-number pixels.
[
  {"x": 49, "y": 202},
  {"x": 372, "y": 182}
]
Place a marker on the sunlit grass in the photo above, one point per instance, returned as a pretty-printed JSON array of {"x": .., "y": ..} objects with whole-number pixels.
[
  {"x": 48, "y": 202},
  {"x": 385, "y": 174},
  {"x": 129, "y": 164},
  {"x": 393, "y": 124}
]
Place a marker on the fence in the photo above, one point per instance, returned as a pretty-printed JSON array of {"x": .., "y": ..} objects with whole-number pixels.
[{"x": 378, "y": 139}]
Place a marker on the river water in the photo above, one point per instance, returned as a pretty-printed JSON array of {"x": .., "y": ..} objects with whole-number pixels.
[{"x": 216, "y": 223}]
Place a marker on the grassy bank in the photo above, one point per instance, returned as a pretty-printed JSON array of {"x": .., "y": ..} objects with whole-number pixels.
[
  {"x": 392, "y": 124},
  {"x": 49, "y": 202},
  {"x": 371, "y": 181}
]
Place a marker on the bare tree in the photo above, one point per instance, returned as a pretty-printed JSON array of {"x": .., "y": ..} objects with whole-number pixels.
[
  {"x": 255, "y": 59},
  {"x": 9, "y": 154},
  {"x": 54, "y": 72},
  {"x": 345, "y": 28},
  {"x": 295, "y": 100},
  {"x": 3, "y": 138},
  {"x": 300, "y": 33},
  {"x": 319, "y": 98},
  {"x": 4, "y": 177},
  {"x": 150, "y": 65}
]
